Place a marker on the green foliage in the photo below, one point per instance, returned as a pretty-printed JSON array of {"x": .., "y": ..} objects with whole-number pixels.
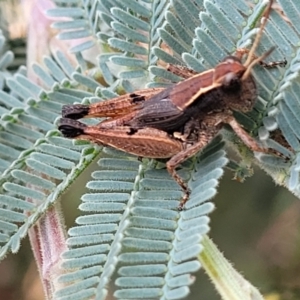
[{"x": 129, "y": 225}]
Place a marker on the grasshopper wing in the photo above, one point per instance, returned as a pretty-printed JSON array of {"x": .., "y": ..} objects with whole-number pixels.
[
  {"x": 115, "y": 107},
  {"x": 145, "y": 142}
]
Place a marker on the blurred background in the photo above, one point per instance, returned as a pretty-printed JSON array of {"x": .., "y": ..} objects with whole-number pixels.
[{"x": 255, "y": 224}]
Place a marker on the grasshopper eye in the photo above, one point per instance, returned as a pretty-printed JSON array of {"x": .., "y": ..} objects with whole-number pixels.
[
  {"x": 75, "y": 111},
  {"x": 70, "y": 128},
  {"x": 231, "y": 82}
]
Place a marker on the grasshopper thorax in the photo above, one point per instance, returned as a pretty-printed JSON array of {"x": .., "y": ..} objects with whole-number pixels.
[{"x": 238, "y": 93}]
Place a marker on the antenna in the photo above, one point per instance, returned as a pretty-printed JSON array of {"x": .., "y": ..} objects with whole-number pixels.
[{"x": 259, "y": 35}]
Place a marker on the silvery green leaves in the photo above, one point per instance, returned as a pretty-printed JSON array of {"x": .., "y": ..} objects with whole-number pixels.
[{"x": 129, "y": 227}]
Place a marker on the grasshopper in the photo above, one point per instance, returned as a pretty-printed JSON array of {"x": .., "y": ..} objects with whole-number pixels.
[{"x": 178, "y": 121}]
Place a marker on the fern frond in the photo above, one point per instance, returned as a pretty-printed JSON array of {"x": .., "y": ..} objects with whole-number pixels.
[
  {"x": 84, "y": 22},
  {"x": 135, "y": 35},
  {"x": 154, "y": 228},
  {"x": 129, "y": 220},
  {"x": 281, "y": 108},
  {"x": 124, "y": 26},
  {"x": 133, "y": 205},
  {"x": 33, "y": 158}
]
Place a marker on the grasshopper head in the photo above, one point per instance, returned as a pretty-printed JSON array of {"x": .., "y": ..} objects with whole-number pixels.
[{"x": 239, "y": 94}]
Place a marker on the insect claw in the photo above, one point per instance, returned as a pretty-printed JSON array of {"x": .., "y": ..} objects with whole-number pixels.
[
  {"x": 70, "y": 128},
  {"x": 75, "y": 111}
]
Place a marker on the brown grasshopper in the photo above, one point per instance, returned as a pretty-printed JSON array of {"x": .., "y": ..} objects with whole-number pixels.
[{"x": 180, "y": 120}]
